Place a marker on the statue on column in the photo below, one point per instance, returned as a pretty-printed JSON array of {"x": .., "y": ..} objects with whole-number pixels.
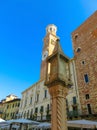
[{"x": 58, "y": 80}]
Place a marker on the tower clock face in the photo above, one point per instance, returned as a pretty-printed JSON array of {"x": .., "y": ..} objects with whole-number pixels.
[{"x": 45, "y": 54}]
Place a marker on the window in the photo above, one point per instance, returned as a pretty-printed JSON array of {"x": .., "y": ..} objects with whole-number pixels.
[
  {"x": 41, "y": 109},
  {"x": 83, "y": 62},
  {"x": 86, "y": 78},
  {"x": 87, "y": 96},
  {"x": 25, "y": 114},
  {"x": 31, "y": 100},
  {"x": 74, "y": 100},
  {"x": 78, "y": 49},
  {"x": 48, "y": 107},
  {"x": 74, "y": 109},
  {"x": 36, "y": 110},
  {"x": 28, "y": 114},
  {"x": 18, "y": 104},
  {"x": 45, "y": 93},
  {"x": 31, "y": 113},
  {"x": 89, "y": 108},
  {"x": 76, "y": 36},
  {"x": 37, "y": 97},
  {"x": 25, "y": 102}
]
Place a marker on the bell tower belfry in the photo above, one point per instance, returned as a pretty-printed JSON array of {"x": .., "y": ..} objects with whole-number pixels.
[{"x": 48, "y": 47}]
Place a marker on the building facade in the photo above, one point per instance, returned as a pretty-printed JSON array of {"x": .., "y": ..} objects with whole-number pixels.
[
  {"x": 35, "y": 103},
  {"x": 73, "y": 101},
  {"x": 1, "y": 109},
  {"x": 85, "y": 55},
  {"x": 9, "y": 107},
  {"x": 36, "y": 100}
]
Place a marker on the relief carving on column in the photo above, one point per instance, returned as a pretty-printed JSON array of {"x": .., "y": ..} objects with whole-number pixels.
[{"x": 58, "y": 91}]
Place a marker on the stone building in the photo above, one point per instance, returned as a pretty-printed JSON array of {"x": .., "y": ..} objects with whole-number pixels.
[
  {"x": 1, "y": 109},
  {"x": 9, "y": 107},
  {"x": 85, "y": 55},
  {"x": 36, "y": 102}
]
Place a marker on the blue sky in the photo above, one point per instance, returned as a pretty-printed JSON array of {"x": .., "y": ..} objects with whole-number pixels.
[{"x": 22, "y": 29}]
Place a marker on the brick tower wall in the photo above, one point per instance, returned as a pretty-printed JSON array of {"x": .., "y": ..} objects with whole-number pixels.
[{"x": 85, "y": 52}]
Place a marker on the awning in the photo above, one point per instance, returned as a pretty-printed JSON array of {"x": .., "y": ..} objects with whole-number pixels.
[
  {"x": 44, "y": 125},
  {"x": 82, "y": 124},
  {"x": 23, "y": 121},
  {"x": 74, "y": 124},
  {"x": 1, "y": 120}
]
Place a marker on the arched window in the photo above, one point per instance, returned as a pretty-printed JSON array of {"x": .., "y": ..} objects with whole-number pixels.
[{"x": 78, "y": 49}]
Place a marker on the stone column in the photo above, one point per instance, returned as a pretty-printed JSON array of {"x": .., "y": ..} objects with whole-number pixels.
[
  {"x": 57, "y": 82},
  {"x": 59, "y": 117}
]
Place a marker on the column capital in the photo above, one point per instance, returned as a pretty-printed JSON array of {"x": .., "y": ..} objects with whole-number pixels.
[{"x": 58, "y": 91}]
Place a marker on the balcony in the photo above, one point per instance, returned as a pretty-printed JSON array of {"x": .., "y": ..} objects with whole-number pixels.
[
  {"x": 40, "y": 117},
  {"x": 43, "y": 118},
  {"x": 74, "y": 113},
  {"x": 74, "y": 104}
]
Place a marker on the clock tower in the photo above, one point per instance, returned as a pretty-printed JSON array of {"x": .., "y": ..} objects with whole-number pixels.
[{"x": 48, "y": 47}]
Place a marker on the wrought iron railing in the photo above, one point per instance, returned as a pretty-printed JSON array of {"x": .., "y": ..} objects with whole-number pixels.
[{"x": 74, "y": 113}]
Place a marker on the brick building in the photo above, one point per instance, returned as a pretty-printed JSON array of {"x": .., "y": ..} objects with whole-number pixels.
[{"x": 85, "y": 54}]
